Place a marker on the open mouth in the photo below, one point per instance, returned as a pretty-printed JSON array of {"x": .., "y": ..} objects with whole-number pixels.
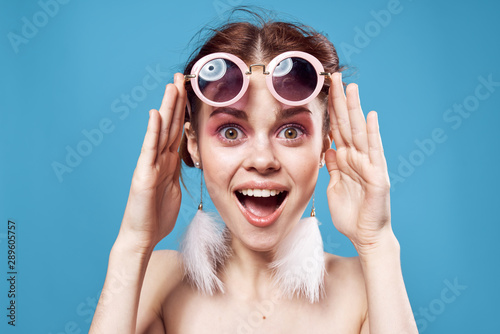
[{"x": 261, "y": 203}]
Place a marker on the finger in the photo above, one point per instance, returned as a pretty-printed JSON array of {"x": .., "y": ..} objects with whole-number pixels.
[
  {"x": 331, "y": 165},
  {"x": 150, "y": 144},
  {"x": 334, "y": 126},
  {"x": 376, "y": 150},
  {"x": 166, "y": 112},
  {"x": 340, "y": 108},
  {"x": 175, "y": 133},
  {"x": 356, "y": 118}
]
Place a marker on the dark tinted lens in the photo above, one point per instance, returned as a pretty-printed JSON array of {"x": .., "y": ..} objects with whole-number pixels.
[
  {"x": 295, "y": 79},
  {"x": 220, "y": 80}
]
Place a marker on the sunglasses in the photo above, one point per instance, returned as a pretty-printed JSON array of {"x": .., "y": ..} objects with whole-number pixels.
[{"x": 293, "y": 78}]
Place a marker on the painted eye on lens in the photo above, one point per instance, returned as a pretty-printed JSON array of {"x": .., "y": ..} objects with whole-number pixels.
[
  {"x": 283, "y": 68},
  {"x": 290, "y": 133},
  {"x": 213, "y": 70}
]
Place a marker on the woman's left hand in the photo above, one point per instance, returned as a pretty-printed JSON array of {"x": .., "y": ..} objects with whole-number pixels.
[{"x": 359, "y": 188}]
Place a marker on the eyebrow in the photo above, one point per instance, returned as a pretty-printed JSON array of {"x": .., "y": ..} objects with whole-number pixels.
[
  {"x": 290, "y": 112},
  {"x": 282, "y": 113},
  {"x": 230, "y": 111}
]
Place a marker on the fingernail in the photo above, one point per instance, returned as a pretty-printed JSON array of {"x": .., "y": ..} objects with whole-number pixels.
[{"x": 340, "y": 78}]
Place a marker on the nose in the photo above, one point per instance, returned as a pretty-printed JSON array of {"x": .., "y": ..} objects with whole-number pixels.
[{"x": 261, "y": 156}]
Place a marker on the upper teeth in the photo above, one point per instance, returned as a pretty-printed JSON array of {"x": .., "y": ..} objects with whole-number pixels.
[{"x": 260, "y": 192}]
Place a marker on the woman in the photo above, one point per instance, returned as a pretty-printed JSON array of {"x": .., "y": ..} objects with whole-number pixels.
[{"x": 265, "y": 103}]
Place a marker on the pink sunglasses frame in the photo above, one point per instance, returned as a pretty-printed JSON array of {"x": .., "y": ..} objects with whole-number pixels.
[{"x": 247, "y": 71}]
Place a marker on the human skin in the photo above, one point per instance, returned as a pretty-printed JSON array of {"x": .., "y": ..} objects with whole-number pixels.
[
  {"x": 260, "y": 155},
  {"x": 358, "y": 298}
]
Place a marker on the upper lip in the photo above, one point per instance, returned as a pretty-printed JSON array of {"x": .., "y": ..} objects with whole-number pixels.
[{"x": 261, "y": 185}]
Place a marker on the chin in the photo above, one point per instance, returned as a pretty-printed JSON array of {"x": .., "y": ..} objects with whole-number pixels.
[{"x": 262, "y": 239}]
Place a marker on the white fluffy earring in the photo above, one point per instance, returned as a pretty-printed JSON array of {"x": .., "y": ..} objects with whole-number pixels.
[
  {"x": 204, "y": 249},
  {"x": 299, "y": 265}
]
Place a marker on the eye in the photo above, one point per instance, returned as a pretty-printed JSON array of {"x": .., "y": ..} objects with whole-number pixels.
[
  {"x": 290, "y": 132},
  {"x": 213, "y": 70},
  {"x": 283, "y": 68},
  {"x": 231, "y": 133}
]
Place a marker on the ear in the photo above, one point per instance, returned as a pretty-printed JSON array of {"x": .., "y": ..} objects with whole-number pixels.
[{"x": 192, "y": 143}]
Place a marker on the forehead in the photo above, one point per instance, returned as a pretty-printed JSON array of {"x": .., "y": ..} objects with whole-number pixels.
[{"x": 254, "y": 107}]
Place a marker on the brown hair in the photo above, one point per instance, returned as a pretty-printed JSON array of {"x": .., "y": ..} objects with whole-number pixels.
[{"x": 263, "y": 39}]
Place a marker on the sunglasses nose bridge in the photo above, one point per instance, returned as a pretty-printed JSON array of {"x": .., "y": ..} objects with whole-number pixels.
[{"x": 257, "y": 65}]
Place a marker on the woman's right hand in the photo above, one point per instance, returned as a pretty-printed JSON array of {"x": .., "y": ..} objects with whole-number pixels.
[{"x": 155, "y": 195}]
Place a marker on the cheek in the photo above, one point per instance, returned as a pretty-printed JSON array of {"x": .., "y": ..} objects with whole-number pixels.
[
  {"x": 219, "y": 167},
  {"x": 303, "y": 166}
]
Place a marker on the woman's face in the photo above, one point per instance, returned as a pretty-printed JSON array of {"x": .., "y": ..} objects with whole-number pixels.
[{"x": 260, "y": 160}]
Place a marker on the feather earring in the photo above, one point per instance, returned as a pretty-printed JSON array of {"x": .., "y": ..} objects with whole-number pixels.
[
  {"x": 204, "y": 249},
  {"x": 299, "y": 265}
]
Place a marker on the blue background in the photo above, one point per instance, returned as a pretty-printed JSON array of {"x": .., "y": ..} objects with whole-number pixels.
[{"x": 70, "y": 76}]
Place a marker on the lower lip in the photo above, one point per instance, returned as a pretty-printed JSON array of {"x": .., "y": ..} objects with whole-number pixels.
[{"x": 261, "y": 221}]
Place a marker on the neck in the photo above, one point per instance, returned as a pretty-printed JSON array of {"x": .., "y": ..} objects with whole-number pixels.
[{"x": 246, "y": 272}]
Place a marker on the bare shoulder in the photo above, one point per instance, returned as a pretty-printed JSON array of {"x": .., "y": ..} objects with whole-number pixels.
[
  {"x": 345, "y": 272},
  {"x": 163, "y": 274},
  {"x": 345, "y": 283},
  {"x": 341, "y": 268},
  {"x": 165, "y": 265}
]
